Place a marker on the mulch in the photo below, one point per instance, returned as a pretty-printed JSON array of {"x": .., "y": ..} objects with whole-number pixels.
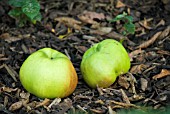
[{"x": 144, "y": 89}]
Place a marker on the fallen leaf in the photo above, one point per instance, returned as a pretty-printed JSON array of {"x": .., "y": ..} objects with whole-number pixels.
[
  {"x": 56, "y": 101},
  {"x": 123, "y": 81},
  {"x": 16, "y": 106},
  {"x": 93, "y": 15},
  {"x": 85, "y": 19},
  {"x": 105, "y": 30},
  {"x": 126, "y": 105},
  {"x": 145, "y": 23},
  {"x": 24, "y": 95},
  {"x": 70, "y": 22},
  {"x": 163, "y": 73},
  {"x": 134, "y": 53},
  {"x": 163, "y": 52},
  {"x": 120, "y": 4},
  {"x": 7, "y": 37},
  {"x": 11, "y": 72},
  {"x": 112, "y": 34},
  {"x": 65, "y": 106},
  {"x": 150, "y": 41},
  {"x": 138, "y": 69},
  {"x": 165, "y": 33},
  {"x": 45, "y": 102},
  {"x": 124, "y": 96},
  {"x": 8, "y": 89},
  {"x": 100, "y": 102},
  {"x": 136, "y": 97},
  {"x": 97, "y": 111},
  {"x": 132, "y": 81},
  {"x": 160, "y": 23}
]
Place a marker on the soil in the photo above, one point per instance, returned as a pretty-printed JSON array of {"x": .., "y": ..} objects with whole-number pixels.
[{"x": 144, "y": 89}]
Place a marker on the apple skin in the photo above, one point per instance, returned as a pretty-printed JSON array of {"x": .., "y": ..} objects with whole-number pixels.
[
  {"x": 103, "y": 62},
  {"x": 48, "y": 73}
]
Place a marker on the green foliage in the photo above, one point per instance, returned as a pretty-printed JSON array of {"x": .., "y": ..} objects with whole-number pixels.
[
  {"x": 128, "y": 23},
  {"x": 25, "y": 10}
]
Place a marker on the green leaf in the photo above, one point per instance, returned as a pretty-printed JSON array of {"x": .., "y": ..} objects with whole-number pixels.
[
  {"x": 15, "y": 12},
  {"x": 17, "y": 3},
  {"x": 38, "y": 17},
  {"x": 119, "y": 17},
  {"x": 31, "y": 8},
  {"x": 130, "y": 28},
  {"x": 129, "y": 18}
]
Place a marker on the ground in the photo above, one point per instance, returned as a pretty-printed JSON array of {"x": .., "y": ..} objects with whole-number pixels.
[{"x": 72, "y": 27}]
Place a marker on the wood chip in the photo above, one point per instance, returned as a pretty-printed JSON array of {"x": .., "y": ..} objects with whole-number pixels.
[{"x": 144, "y": 84}]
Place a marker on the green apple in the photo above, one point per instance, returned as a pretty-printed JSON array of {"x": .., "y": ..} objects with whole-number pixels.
[
  {"x": 48, "y": 73},
  {"x": 103, "y": 62}
]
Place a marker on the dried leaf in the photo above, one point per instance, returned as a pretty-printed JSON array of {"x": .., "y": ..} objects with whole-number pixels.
[
  {"x": 85, "y": 19},
  {"x": 45, "y": 102},
  {"x": 112, "y": 34},
  {"x": 163, "y": 52},
  {"x": 138, "y": 69},
  {"x": 16, "y": 106},
  {"x": 24, "y": 95},
  {"x": 150, "y": 41},
  {"x": 120, "y": 4},
  {"x": 163, "y": 73},
  {"x": 11, "y": 72},
  {"x": 126, "y": 105},
  {"x": 8, "y": 38},
  {"x": 125, "y": 97},
  {"x": 145, "y": 23},
  {"x": 9, "y": 90},
  {"x": 105, "y": 30},
  {"x": 132, "y": 80},
  {"x": 165, "y": 33},
  {"x": 161, "y": 23},
  {"x": 93, "y": 15},
  {"x": 144, "y": 84},
  {"x": 99, "y": 102},
  {"x": 65, "y": 106},
  {"x": 123, "y": 81},
  {"x": 100, "y": 90},
  {"x": 70, "y": 22},
  {"x": 134, "y": 53},
  {"x": 136, "y": 97},
  {"x": 97, "y": 111},
  {"x": 55, "y": 102}
]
